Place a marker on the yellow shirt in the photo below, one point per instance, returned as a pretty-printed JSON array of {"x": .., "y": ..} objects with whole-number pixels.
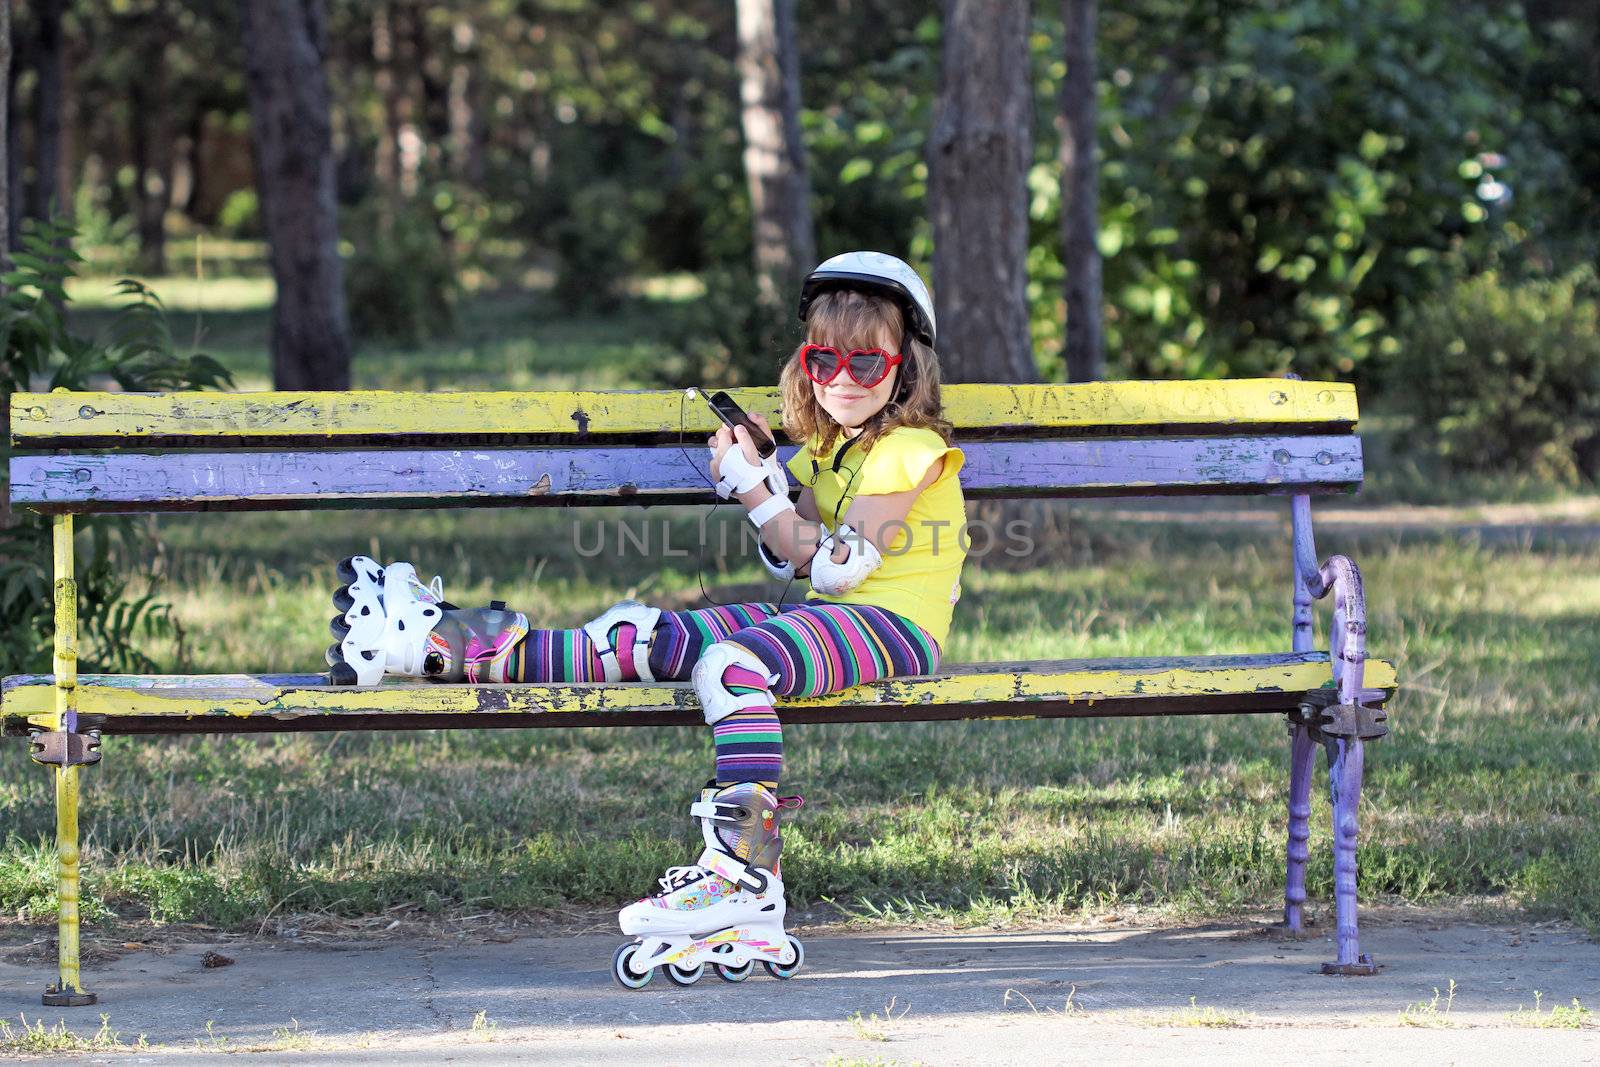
[{"x": 921, "y": 573}]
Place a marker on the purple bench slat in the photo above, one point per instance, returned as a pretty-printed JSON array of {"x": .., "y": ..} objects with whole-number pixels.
[{"x": 175, "y": 481}]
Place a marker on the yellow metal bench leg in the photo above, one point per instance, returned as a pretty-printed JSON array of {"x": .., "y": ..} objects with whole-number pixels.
[{"x": 68, "y": 990}]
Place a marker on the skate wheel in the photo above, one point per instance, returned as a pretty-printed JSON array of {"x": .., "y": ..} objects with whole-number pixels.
[
  {"x": 788, "y": 970},
  {"x": 736, "y": 973},
  {"x": 342, "y": 600},
  {"x": 342, "y": 674},
  {"x": 624, "y": 973},
  {"x": 685, "y": 975}
]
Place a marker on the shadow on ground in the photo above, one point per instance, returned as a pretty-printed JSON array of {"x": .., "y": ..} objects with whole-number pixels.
[{"x": 863, "y": 987}]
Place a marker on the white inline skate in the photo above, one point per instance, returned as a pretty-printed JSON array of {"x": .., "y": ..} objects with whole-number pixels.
[
  {"x": 391, "y": 623},
  {"x": 726, "y": 909}
]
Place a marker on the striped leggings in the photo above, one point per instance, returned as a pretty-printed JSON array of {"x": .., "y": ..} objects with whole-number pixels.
[{"x": 806, "y": 649}]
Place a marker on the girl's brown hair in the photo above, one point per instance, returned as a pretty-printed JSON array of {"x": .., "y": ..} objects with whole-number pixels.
[{"x": 846, "y": 319}]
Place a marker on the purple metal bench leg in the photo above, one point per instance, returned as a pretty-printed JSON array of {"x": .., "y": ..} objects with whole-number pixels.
[
  {"x": 1302, "y": 747},
  {"x": 1302, "y": 758},
  {"x": 1343, "y": 728},
  {"x": 1344, "y": 783},
  {"x": 1342, "y": 722}
]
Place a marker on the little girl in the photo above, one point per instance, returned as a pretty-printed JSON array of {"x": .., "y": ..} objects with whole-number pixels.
[{"x": 878, "y": 473}]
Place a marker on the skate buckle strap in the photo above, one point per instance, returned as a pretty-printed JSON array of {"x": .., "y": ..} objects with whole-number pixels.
[
  {"x": 733, "y": 870},
  {"x": 714, "y": 809},
  {"x": 486, "y": 662}
]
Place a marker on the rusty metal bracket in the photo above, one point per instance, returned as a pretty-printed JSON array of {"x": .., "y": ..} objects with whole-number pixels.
[
  {"x": 60, "y": 748},
  {"x": 1320, "y": 711},
  {"x": 1363, "y": 967},
  {"x": 1354, "y": 720}
]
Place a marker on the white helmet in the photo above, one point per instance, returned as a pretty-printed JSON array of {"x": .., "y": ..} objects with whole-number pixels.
[{"x": 880, "y": 273}]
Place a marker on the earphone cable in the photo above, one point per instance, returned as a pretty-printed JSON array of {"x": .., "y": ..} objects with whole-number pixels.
[{"x": 700, "y": 566}]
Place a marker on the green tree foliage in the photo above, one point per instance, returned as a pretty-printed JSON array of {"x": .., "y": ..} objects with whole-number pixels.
[
  {"x": 40, "y": 354},
  {"x": 1276, "y": 191},
  {"x": 1506, "y": 377},
  {"x": 1281, "y": 180}
]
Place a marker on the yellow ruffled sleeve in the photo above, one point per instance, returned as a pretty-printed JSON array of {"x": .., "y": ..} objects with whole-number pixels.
[{"x": 900, "y": 460}]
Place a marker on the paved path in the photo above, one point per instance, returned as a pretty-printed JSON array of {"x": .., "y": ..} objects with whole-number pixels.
[
  {"x": 900, "y": 997},
  {"x": 1574, "y": 521}
]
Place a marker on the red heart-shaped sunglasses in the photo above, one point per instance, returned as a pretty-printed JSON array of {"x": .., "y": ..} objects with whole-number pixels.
[{"x": 865, "y": 366}]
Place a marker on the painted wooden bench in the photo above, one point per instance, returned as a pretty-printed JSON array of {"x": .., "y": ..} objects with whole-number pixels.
[{"x": 89, "y": 453}]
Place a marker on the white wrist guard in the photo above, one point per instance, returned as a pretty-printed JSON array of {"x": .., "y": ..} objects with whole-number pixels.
[
  {"x": 835, "y": 579},
  {"x": 769, "y": 509},
  {"x": 739, "y": 475},
  {"x": 783, "y": 572}
]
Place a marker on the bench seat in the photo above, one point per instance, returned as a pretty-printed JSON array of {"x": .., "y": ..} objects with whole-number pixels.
[{"x": 228, "y": 703}]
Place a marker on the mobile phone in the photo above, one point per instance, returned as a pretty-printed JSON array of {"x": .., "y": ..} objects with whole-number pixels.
[{"x": 733, "y": 415}]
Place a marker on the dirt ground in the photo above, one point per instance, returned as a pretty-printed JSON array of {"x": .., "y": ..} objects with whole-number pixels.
[{"x": 481, "y": 992}]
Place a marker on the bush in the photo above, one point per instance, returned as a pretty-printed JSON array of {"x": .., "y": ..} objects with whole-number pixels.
[
  {"x": 241, "y": 214},
  {"x": 728, "y": 337},
  {"x": 400, "y": 282},
  {"x": 1506, "y": 378},
  {"x": 39, "y": 353},
  {"x": 599, "y": 243}
]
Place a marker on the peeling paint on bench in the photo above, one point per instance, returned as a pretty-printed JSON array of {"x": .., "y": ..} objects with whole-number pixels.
[
  {"x": 37, "y": 419},
  {"x": 1162, "y": 681},
  {"x": 137, "y": 481}
]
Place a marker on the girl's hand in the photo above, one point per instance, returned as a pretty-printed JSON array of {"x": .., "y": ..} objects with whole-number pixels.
[
  {"x": 726, "y": 439},
  {"x": 766, "y": 427}
]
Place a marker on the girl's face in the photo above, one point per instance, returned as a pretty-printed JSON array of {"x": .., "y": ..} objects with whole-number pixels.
[{"x": 851, "y": 404}]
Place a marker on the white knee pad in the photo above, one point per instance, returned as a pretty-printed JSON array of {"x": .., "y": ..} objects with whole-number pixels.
[
  {"x": 644, "y": 619},
  {"x": 715, "y": 700}
]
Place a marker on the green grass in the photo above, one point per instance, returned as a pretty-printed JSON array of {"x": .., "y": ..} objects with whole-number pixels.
[
  {"x": 512, "y": 339},
  {"x": 1195, "y": 1016},
  {"x": 1431, "y": 1013},
  {"x": 36, "y": 1038},
  {"x": 1486, "y": 787},
  {"x": 1572, "y": 1016}
]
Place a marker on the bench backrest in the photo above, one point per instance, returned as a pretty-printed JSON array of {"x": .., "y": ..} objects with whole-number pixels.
[{"x": 126, "y": 452}]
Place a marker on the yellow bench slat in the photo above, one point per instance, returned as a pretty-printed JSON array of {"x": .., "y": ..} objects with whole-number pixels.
[
  {"x": 1085, "y": 682},
  {"x": 41, "y": 418}
]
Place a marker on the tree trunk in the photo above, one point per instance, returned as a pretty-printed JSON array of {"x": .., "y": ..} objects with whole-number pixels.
[
  {"x": 978, "y": 155},
  {"x": 5, "y": 166},
  {"x": 152, "y": 159},
  {"x": 189, "y": 193},
  {"x": 430, "y": 93},
  {"x": 285, "y": 46},
  {"x": 17, "y": 209},
  {"x": 466, "y": 119},
  {"x": 7, "y": 516},
  {"x": 774, "y": 154},
  {"x": 47, "y": 111},
  {"x": 387, "y": 83},
  {"x": 1080, "y": 196}
]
